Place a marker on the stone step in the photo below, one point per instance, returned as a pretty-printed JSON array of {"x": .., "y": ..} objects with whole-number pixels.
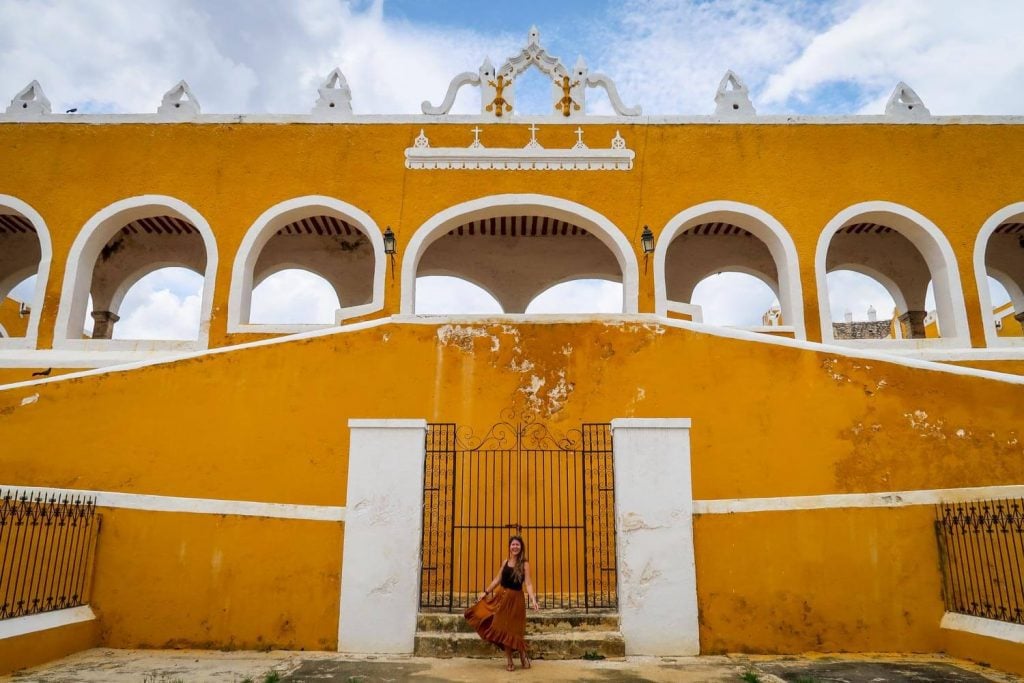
[
  {"x": 547, "y": 621},
  {"x": 570, "y": 645}
]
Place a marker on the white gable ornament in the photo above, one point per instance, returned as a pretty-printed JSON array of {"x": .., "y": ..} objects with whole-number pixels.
[
  {"x": 531, "y": 156},
  {"x": 497, "y": 86},
  {"x": 179, "y": 103},
  {"x": 732, "y": 97},
  {"x": 335, "y": 97},
  {"x": 30, "y": 102},
  {"x": 904, "y": 103}
]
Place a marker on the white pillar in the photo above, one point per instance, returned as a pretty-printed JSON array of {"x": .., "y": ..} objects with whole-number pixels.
[
  {"x": 380, "y": 574},
  {"x": 654, "y": 537}
]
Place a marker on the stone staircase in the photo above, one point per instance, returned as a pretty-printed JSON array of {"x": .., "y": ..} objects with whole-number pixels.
[{"x": 550, "y": 635}]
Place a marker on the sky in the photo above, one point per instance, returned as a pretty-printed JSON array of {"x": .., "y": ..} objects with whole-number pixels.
[{"x": 269, "y": 56}]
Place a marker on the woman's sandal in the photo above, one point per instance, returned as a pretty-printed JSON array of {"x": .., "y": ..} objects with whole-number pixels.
[
  {"x": 524, "y": 661},
  {"x": 510, "y": 666}
]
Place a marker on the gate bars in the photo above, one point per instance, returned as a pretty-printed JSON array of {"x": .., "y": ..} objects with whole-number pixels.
[
  {"x": 981, "y": 549},
  {"x": 46, "y": 552},
  {"x": 555, "y": 491}
]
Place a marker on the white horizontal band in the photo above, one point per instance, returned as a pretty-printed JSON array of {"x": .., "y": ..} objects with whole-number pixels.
[
  {"x": 19, "y": 626},
  {"x": 1002, "y": 630},
  {"x": 202, "y": 506},
  {"x": 855, "y": 500}
]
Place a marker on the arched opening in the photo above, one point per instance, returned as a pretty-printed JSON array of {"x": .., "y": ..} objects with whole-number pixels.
[
  {"x": 999, "y": 259},
  {"x": 904, "y": 252},
  {"x": 735, "y": 240},
  {"x": 440, "y": 295},
  {"x": 24, "y": 267},
  {"x": 320, "y": 235},
  {"x": 737, "y": 299},
  {"x": 862, "y": 306},
  {"x": 165, "y": 304},
  {"x": 517, "y": 246},
  {"x": 294, "y": 297},
  {"x": 578, "y": 297},
  {"x": 119, "y": 247}
]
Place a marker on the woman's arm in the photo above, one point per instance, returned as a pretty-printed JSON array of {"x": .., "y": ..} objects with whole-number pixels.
[
  {"x": 529, "y": 585},
  {"x": 491, "y": 586}
]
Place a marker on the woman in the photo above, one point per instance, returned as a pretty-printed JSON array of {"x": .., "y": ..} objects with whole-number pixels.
[{"x": 499, "y": 616}]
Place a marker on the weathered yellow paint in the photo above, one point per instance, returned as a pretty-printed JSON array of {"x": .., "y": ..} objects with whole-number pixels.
[
  {"x": 32, "y": 649},
  {"x": 11, "y": 319},
  {"x": 1010, "y": 327},
  {"x": 802, "y": 174},
  {"x": 993, "y": 652},
  {"x": 269, "y": 423}
]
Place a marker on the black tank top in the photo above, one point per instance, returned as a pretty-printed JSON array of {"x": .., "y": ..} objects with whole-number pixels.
[{"x": 508, "y": 579}]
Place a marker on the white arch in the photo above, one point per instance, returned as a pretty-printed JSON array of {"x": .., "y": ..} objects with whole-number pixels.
[
  {"x": 268, "y": 223},
  {"x": 86, "y": 248},
  {"x": 762, "y": 225},
  {"x": 494, "y": 206},
  {"x": 981, "y": 272},
  {"x": 31, "y": 337},
  {"x": 933, "y": 246}
]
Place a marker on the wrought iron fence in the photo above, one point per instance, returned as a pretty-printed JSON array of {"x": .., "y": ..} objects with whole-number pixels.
[
  {"x": 981, "y": 547},
  {"x": 556, "y": 491},
  {"x": 47, "y": 544}
]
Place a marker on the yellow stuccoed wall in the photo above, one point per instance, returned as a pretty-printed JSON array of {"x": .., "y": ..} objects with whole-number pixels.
[
  {"x": 269, "y": 423},
  {"x": 957, "y": 175}
]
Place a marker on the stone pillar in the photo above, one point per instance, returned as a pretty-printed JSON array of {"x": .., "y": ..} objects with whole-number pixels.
[
  {"x": 104, "y": 325},
  {"x": 913, "y": 324},
  {"x": 654, "y": 537},
  {"x": 380, "y": 574}
]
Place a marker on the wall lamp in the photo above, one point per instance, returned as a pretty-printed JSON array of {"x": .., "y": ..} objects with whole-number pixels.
[
  {"x": 390, "y": 248},
  {"x": 646, "y": 244}
]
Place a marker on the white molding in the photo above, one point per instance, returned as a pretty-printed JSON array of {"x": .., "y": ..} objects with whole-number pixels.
[
  {"x": 200, "y": 506},
  {"x": 934, "y": 248},
  {"x": 31, "y": 338},
  {"x": 514, "y": 159},
  {"x": 34, "y": 623},
  {"x": 387, "y": 423},
  {"x": 992, "y": 339},
  {"x": 82, "y": 261},
  {"x": 762, "y": 225},
  {"x": 891, "y": 499},
  {"x": 502, "y": 204},
  {"x": 990, "y": 628},
  {"x": 263, "y": 229},
  {"x": 652, "y": 423}
]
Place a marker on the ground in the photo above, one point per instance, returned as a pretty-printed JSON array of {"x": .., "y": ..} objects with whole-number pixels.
[{"x": 162, "y": 666}]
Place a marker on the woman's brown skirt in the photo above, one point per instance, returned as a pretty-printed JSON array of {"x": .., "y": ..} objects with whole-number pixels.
[{"x": 500, "y": 618}]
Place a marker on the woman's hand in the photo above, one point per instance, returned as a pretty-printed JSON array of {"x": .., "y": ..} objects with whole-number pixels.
[
  {"x": 533, "y": 604},
  {"x": 483, "y": 594}
]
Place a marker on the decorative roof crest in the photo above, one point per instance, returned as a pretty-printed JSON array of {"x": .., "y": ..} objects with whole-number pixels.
[
  {"x": 905, "y": 103},
  {"x": 733, "y": 98},
  {"x": 179, "y": 103},
  {"x": 497, "y": 86},
  {"x": 335, "y": 97},
  {"x": 30, "y": 102}
]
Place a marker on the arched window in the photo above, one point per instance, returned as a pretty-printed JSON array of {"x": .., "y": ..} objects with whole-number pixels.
[
  {"x": 320, "y": 235},
  {"x": 999, "y": 257},
  {"x": 730, "y": 238},
  {"x": 294, "y": 297},
  {"x": 737, "y": 300},
  {"x": 439, "y": 294},
  {"x": 24, "y": 267},
  {"x": 579, "y": 297},
  {"x": 165, "y": 304},
  {"x": 862, "y": 306},
  {"x": 517, "y": 246},
  {"x": 119, "y": 247},
  {"x": 904, "y": 252}
]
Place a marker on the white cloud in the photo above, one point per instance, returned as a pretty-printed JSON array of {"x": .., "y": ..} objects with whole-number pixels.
[
  {"x": 438, "y": 294},
  {"x": 733, "y": 299},
  {"x": 294, "y": 297},
  {"x": 163, "y": 305},
  {"x": 579, "y": 296}
]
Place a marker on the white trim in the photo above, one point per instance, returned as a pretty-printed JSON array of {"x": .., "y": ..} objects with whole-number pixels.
[
  {"x": 762, "y": 225},
  {"x": 990, "y": 628},
  {"x": 463, "y": 119},
  {"x": 518, "y": 159},
  {"x": 387, "y": 423},
  {"x": 201, "y": 506},
  {"x": 501, "y": 204},
  {"x": 30, "y": 340},
  {"x": 263, "y": 229},
  {"x": 82, "y": 261},
  {"x": 34, "y": 623},
  {"x": 992, "y": 338},
  {"x": 892, "y": 499},
  {"x": 934, "y": 248},
  {"x": 651, "y": 423}
]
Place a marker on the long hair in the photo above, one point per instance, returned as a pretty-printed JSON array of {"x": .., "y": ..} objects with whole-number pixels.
[{"x": 518, "y": 572}]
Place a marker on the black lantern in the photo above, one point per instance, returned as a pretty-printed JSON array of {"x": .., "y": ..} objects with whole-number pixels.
[
  {"x": 647, "y": 240},
  {"x": 389, "y": 242}
]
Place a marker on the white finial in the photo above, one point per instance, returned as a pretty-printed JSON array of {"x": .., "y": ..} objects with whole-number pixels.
[
  {"x": 533, "y": 144},
  {"x": 335, "y": 97},
  {"x": 581, "y": 67},
  {"x": 618, "y": 142},
  {"x": 872, "y": 314},
  {"x": 534, "y": 38},
  {"x": 30, "y": 101},
  {"x": 421, "y": 141},
  {"x": 579, "y": 139},
  {"x": 732, "y": 97},
  {"x": 476, "y": 138},
  {"x": 848, "y": 316},
  {"x": 904, "y": 103},
  {"x": 179, "y": 103}
]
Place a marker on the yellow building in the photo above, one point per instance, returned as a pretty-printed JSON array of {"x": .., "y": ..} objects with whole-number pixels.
[{"x": 264, "y": 485}]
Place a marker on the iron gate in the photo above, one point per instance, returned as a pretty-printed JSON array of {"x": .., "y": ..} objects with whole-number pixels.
[{"x": 556, "y": 491}]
